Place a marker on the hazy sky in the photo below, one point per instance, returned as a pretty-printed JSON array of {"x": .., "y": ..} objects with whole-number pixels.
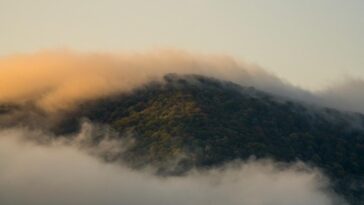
[{"x": 311, "y": 43}]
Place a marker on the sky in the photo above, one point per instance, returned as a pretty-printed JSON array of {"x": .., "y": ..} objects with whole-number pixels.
[
  {"x": 309, "y": 43},
  {"x": 312, "y": 44}
]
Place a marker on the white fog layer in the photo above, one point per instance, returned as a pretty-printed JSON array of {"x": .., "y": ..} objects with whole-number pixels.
[
  {"x": 59, "y": 79},
  {"x": 57, "y": 174}
]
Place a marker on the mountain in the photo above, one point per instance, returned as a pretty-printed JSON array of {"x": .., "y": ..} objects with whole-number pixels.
[{"x": 193, "y": 121}]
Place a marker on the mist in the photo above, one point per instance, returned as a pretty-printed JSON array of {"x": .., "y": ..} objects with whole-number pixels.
[
  {"x": 60, "y": 79},
  {"x": 39, "y": 166},
  {"x": 345, "y": 95},
  {"x": 56, "y": 173}
]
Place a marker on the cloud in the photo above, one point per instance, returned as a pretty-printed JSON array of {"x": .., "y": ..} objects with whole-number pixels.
[
  {"x": 58, "y": 174},
  {"x": 346, "y": 95},
  {"x": 65, "y": 171},
  {"x": 59, "y": 79}
]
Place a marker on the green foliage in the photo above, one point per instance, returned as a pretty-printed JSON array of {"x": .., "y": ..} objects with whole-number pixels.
[{"x": 211, "y": 122}]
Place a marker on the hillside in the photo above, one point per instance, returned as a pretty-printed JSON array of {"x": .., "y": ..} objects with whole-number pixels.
[
  {"x": 194, "y": 121},
  {"x": 204, "y": 122}
]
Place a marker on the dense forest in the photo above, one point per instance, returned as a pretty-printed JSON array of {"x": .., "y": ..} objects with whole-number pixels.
[
  {"x": 204, "y": 122},
  {"x": 193, "y": 121}
]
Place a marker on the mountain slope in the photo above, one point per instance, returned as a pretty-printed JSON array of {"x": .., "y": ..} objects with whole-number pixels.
[
  {"x": 194, "y": 121},
  {"x": 205, "y": 122}
]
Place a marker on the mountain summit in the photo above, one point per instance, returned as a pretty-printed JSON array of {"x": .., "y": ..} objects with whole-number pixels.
[{"x": 191, "y": 121}]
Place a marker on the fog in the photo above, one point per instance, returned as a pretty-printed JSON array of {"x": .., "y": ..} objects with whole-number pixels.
[
  {"x": 345, "y": 95},
  {"x": 55, "y": 173},
  {"x": 39, "y": 168},
  {"x": 59, "y": 79}
]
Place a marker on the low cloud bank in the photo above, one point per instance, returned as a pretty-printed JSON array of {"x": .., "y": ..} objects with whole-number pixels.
[
  {"x": 58, "y": 80},
  {"x": 36, "y": 168},
  {"x": 345, "y": 95},
  {"x": 54, "y": 173}
]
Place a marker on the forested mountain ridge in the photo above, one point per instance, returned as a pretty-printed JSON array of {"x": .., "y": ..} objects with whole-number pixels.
[
  {"x": 209, "y": 122},
  {"x": 200, "y": 122}
]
